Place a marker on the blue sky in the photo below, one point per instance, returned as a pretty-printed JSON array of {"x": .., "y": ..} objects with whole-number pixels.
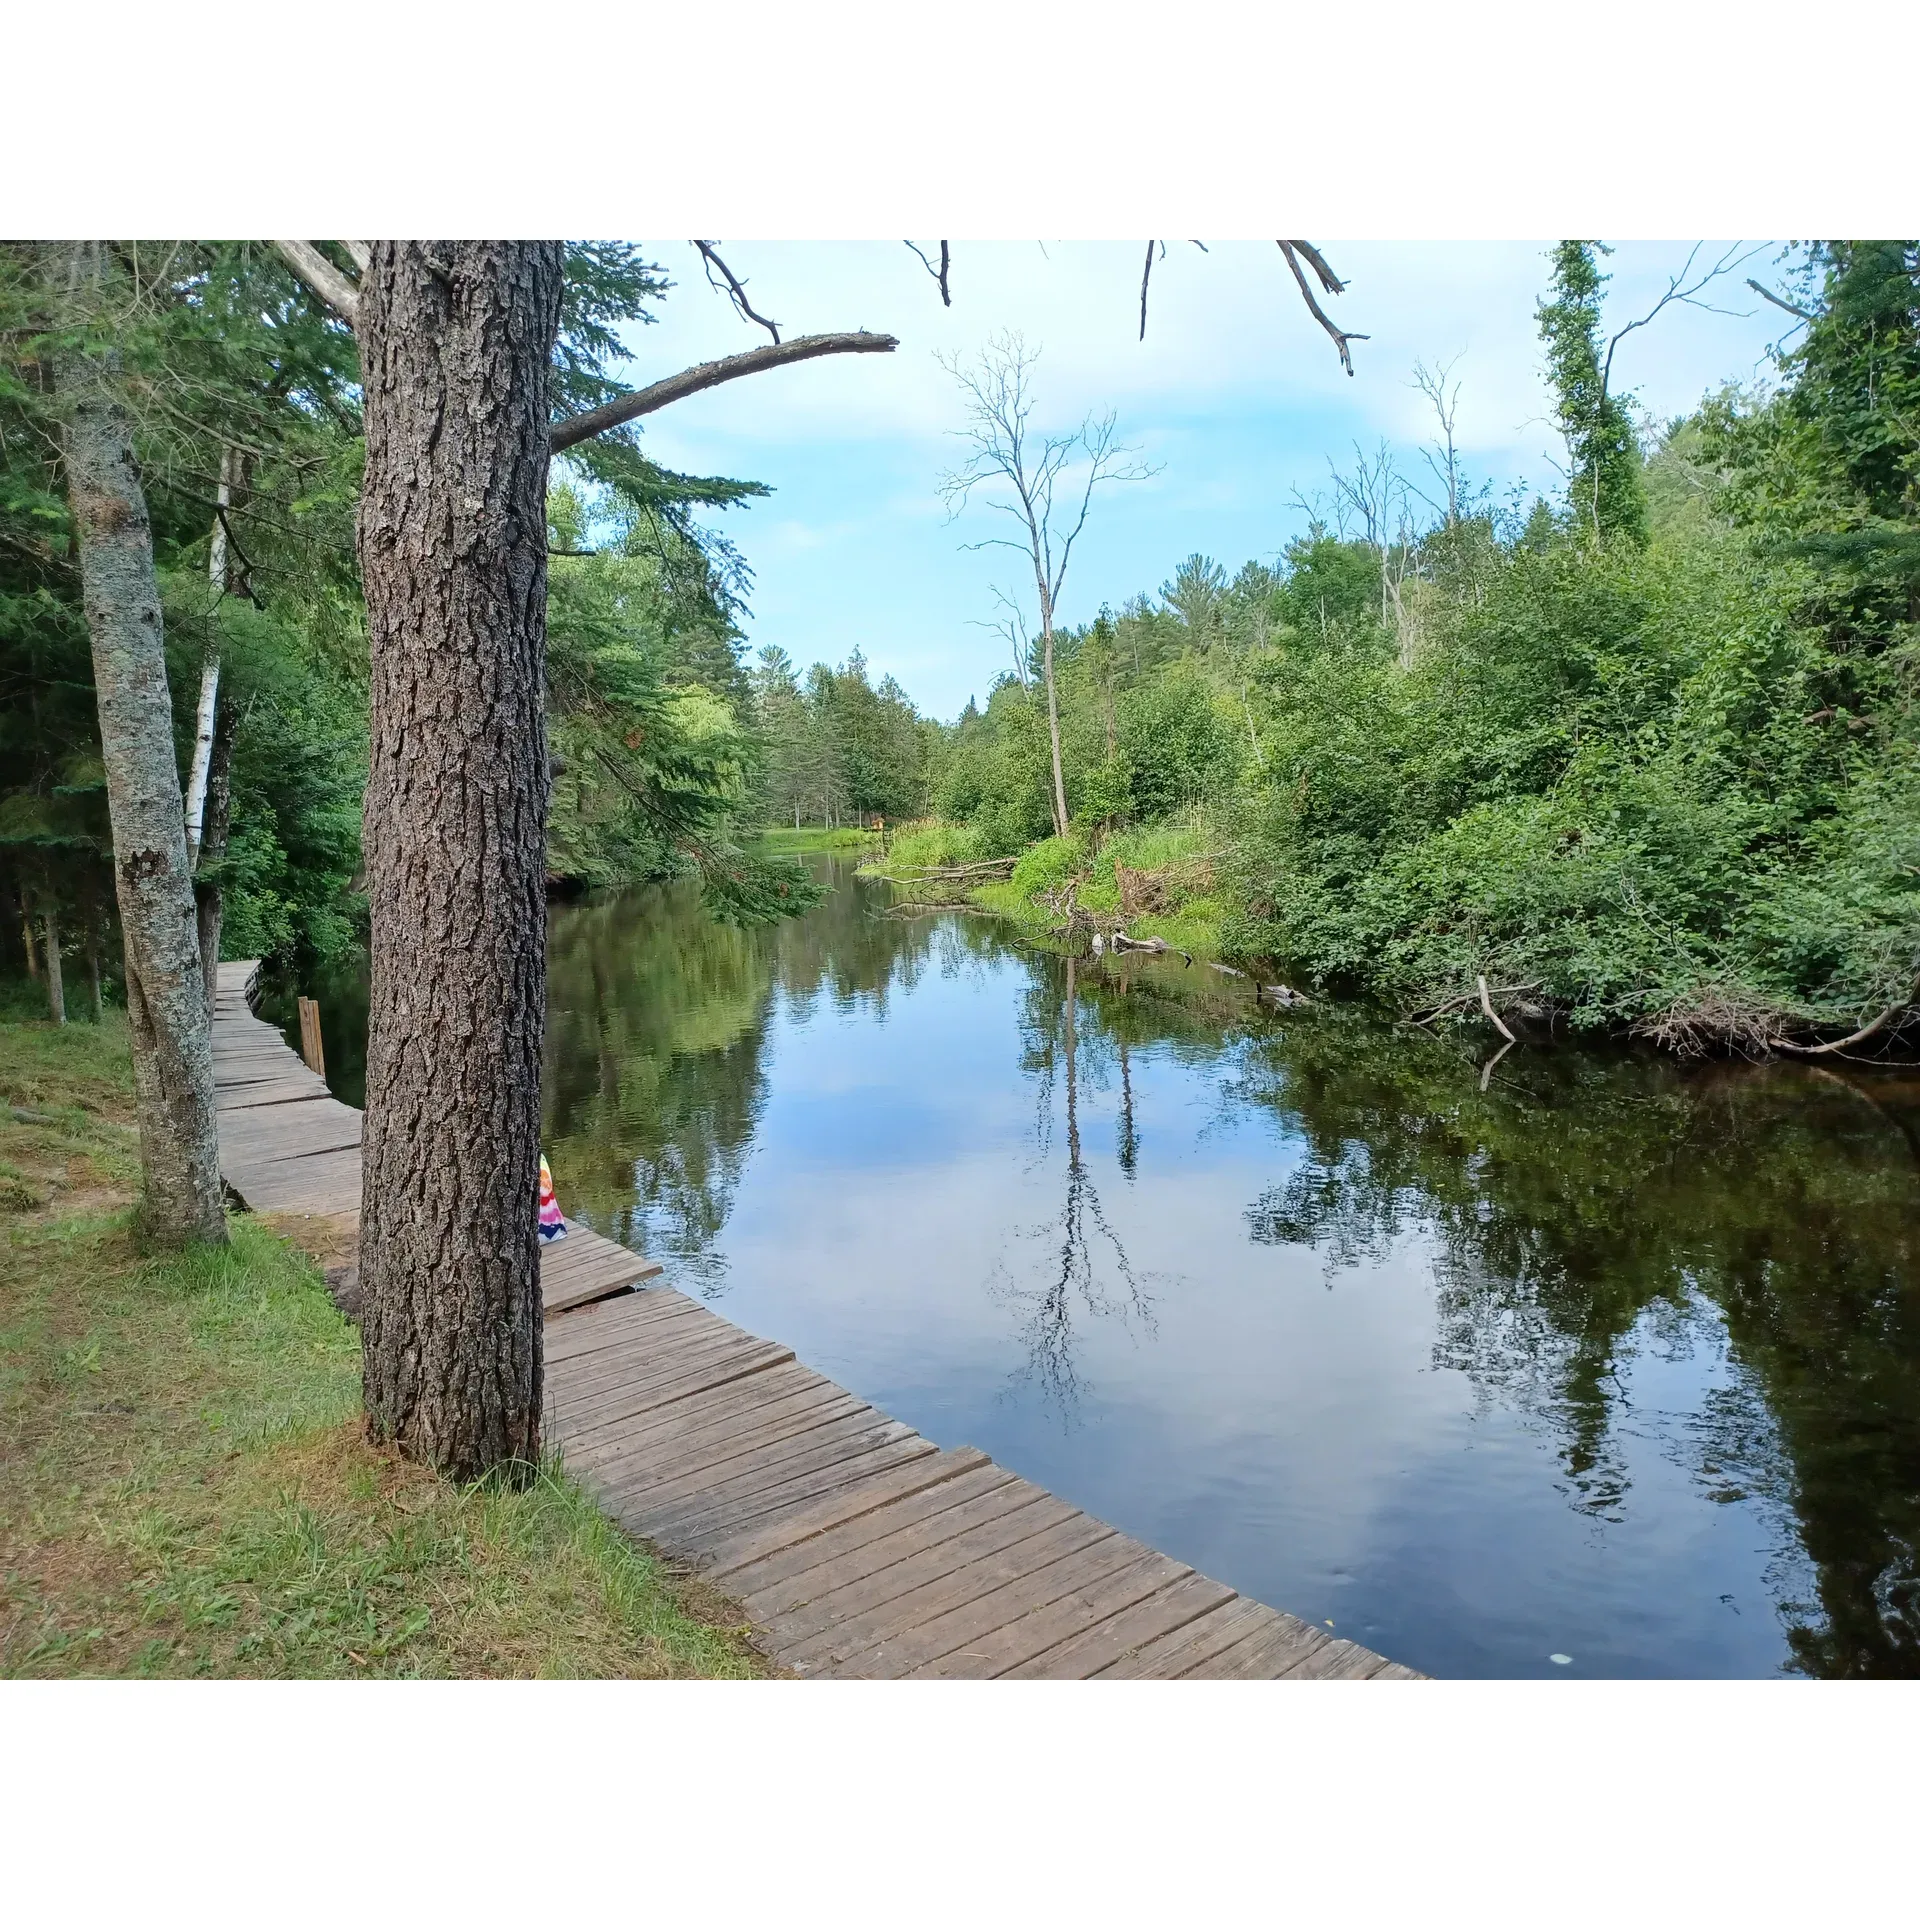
[{"x": 1235, "y": 395}]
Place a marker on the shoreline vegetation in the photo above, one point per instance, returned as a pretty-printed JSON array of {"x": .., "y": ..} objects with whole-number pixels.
[
  {"x": 1640, "y": 761},
  {"x": 189, "y": 1489}
]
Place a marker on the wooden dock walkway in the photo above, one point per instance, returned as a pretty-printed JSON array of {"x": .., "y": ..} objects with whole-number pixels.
[{"x": 858, "y": 1548}]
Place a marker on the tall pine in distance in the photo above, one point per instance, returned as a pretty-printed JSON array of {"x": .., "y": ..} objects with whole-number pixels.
[{"x": 1604, "y": 490}]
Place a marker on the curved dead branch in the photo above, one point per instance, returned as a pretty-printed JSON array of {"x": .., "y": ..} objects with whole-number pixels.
[
  {"x": 1292, "y": 250},
  {"x": 1873, "y": 1026},
  {"x": 712, "y": 373}
]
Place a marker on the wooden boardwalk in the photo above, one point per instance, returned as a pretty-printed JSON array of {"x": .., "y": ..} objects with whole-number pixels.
[{"x": 858, "y": 1548}]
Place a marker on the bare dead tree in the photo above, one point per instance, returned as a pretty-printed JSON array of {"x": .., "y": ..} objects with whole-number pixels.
[
  {"x": 732, "y": 286},
  {"x": 940, "y": 274},
  {"x": 1443, "y": 458},
  {"x": 1026, "y": 477}
]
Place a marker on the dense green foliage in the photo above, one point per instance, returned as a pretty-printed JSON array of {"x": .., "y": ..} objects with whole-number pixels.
[
  {"x": 837, "y": 748},
  {"x": 232, "y": 369},
  {"x": 1652, "y": 763}
]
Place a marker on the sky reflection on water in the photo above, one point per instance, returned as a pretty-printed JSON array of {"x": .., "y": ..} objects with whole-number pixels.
[{"x": 1611, "y": 1361}]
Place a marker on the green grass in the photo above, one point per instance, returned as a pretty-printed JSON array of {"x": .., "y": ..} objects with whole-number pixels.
[
  {"x": 1190, "y": 912},
  {"x": 791, "y": 840},
  {"x": 188, "y": 1489}
]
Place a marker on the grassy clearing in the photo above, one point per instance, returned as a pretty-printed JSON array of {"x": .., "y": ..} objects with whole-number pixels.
[
  {"x": 1180, "y": 904},
  {"x": 187, "y": 1487},
  {"x": 791, "y": 840}
]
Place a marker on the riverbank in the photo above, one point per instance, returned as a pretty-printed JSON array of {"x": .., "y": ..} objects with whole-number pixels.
[
  {"x": 1152, "y": 882},
  {"x": 188, "y": 1488}
]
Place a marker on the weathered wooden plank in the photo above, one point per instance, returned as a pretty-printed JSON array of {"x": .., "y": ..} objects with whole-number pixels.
[
  {"x": 799, "y": 1443},
  {"x": 702, "y": 1531},
  {"x": 978, "y": 1575},
  {"x": 683, "y": 1386},
  {"x": 1337, "y": 1660},
  {"x": 1051, "y": 1621},
  {"x": 1183, "y": 1647},
  {"x": 771, "y": 1472},
  {"x": 919, "y": 1645},
  {"x": 1083, "y": 1655},
  {"x": 730, "y": 1549},
  {"x": 866, "y": 1579},
  {"x": 646, "y": 1347},
  {"x": 600, "y": 1396},
  {"x": 606, "y": 1325},
  {"x": 891, "y": 1539},
  {"x": 1273, "y": 1651},
  {"x": 708, "y": 1418}
]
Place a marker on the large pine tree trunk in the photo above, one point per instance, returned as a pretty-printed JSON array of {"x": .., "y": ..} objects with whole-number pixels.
[
  {"x": 166, "y": 1002},
  {"x": 454, "y": 341}
]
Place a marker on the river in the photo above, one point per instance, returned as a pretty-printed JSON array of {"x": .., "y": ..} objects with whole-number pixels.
[{"x": 1605, "y": 1367}]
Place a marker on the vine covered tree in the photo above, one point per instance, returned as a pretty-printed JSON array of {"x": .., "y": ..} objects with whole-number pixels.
[{"x": 1604, "y": 486}]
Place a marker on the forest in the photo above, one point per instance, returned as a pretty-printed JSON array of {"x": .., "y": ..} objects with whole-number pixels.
[{"x": 1641, "y": 755}]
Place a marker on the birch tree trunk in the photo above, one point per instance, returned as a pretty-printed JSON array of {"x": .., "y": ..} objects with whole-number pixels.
[
  {"x": 454, "y": 343},
  {"x": 209, "y": 900},
  {"x": 208, "y": 707},
  {"x": 166, "y": 1002}
]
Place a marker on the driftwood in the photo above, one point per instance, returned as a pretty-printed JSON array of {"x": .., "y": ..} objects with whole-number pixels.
[
  {"x": 1486, "y": 1007},
  {"x": 968, "y": 871},
  {"x": 1125, "y": 943},
  {"x": 1853, "y": 1039}
]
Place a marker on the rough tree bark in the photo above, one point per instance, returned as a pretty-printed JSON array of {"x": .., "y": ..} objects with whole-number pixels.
[
  {"x": 56, "y": 985},
  {"x": 454, "y": 340},
  {"x": 166, "y": 1001}
]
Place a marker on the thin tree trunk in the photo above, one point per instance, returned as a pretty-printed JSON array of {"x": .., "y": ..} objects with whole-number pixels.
[
  {"x": 1053, "y": 729},
  {"x": 26, "y": 929},
  {"x": 166, "y": 1002},
  {"x": 93, "y": 963},
  {"x": 56, "y": 985},
  {"x": 205, "y": 712},
  {"x": 209, "y": 899},
  {"x": 454, "y": 344}
]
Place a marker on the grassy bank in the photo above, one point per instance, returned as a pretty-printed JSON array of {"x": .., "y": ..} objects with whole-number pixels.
[
  {"x": 1153, "y": 881},
  {"x": 792, "y": 840},
  {"x": 187, "y": 1486}
]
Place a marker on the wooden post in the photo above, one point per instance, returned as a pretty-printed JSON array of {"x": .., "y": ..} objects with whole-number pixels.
[{"x": 310, "y": 1036}]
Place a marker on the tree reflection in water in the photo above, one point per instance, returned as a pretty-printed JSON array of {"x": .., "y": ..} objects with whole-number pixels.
[
  {"x": 1080, "y": 1241},
  {"x": 1602, "y": 1205},
  {"x": 1590, "y": 1213}
]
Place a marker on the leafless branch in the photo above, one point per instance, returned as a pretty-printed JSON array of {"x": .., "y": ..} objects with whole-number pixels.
[
  {"x": 1317, "y": 261},
  {"x": 1785, "y": 306},
  {"x": 940, "y": 276},
  {"x": 1146, "y": 274},
  {"x": 712, "y": 373},
  {"x": 360, "y": 253},
  {"x": 1678, "y": 293},
  {"x": 735, "y": 288},
  {"x": 1337, "y": 335},
  {"x": 319, "y": 275}
]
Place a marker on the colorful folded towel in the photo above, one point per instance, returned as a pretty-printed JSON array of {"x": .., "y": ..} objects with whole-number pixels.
[{"x": 552, "y": 1225}]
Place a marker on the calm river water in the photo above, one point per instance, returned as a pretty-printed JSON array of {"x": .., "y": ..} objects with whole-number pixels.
[{"x": 1609, "y": 1369}]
